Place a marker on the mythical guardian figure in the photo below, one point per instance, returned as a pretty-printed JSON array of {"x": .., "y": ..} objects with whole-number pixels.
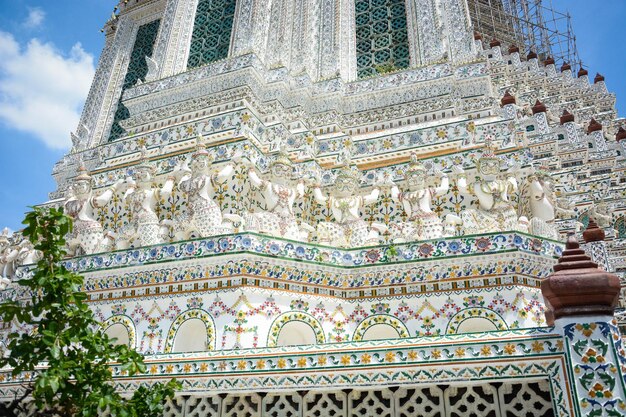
[
  {"x": 279, "y": 193},
  {"x": 422, "y": 223},
  {"x": 87, "y": 236},
  {"x": 203, "y": 217},
  {"x": 538, "y": 203},
  {"x": 349, "y": 229},
  {"x": 495, "y": 212},
  {"x": 142, "y": 198}
]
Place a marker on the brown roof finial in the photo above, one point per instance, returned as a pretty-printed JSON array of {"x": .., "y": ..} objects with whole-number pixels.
[
  {"x": 594, "y": 126},
  {"x": 539, "y": 107},
  {"x": 565, "y": 67},
  {"x": 513, "y": 49},
  {"x": 599, "y": 77},
  {"x": 549, "y": 61},
  {"x": 531, "y": 55},
  {"x": 593, "y": 233},
  {"x": 582, "y": 72},
  {"x": 578, "y": 287},
  {"x": 621, "y": 134},
  {"x": 507, "y": 99},
  {"x": 566, "y": 117},
  {"x": 478, "y": 36},
  {"x": 494, "y": 42}
]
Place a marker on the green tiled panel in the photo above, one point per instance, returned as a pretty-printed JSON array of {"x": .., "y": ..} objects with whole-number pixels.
[
  {"x": 211, "y": 32},
  {"x": 137, "y": 70},
  {"x": 381, "y": 36}
]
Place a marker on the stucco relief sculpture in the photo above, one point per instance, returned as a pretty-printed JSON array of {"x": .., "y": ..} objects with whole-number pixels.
[
  {"x": 15, "y": 251},
  {"x": 349, "y": 229},
  {"x": 538, "y": 204},
  {"x": 279, "y": 193},
  {"x": 87, "y": 235},
  {"x": 203, "y": 217},
  {"x": 422, "y": 223},
  {"x": 495, "y": 212},
  {"x": 142, "y": 197}
]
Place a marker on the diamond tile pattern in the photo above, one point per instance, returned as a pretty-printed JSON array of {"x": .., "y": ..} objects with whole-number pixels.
[
  {"x": 137, "y": 70},
  {"x": 381, "y": 36},
  {"x": 211, "y": 32}
]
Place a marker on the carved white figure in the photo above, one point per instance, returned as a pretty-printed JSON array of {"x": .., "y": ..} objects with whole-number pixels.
[
  {"x": 279, "y": 194},
  {"x": 348, "y": 230},
  {"x": 422, "y": 223},
  {"x": 538, "y": 203},
  {"x": 19, "y": 252},
  {"x": 495, "y": 212},
  {"x": 87, "y": 236},
  {"x": 203, "y": 217},
  {"x": 142, "y": 198},
  {"x": 5, "y": 249}
]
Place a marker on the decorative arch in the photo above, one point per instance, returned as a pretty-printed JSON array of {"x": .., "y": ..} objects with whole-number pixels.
[
  {"x": 125, "y": 321},
  {"x": 291, "y": 316},
  {"x": 195, "y": 313},
  {"x": 377, "y": 319},
  {"x": 475, "y": 313}
]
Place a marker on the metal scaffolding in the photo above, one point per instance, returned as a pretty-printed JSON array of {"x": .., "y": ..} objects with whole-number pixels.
[{"x": 532, "y": 25}]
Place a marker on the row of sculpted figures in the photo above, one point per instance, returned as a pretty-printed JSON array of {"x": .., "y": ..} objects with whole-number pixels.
[{"x": 282, "y": 187}]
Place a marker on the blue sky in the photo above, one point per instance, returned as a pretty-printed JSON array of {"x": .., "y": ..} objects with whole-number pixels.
[{"x": 49, "y": 50}]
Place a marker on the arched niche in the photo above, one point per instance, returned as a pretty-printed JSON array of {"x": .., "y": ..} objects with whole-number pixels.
[
  {"x": 295, "y": 328},
  {"x": 296, "y": 333},
  {"x": 476, "y": 325},
  {"x": 119, "y": 332},
  {"x": 380, "y": 327},
  {"x": 192, "y": 331},
  {"x": 121, "y": 328},
  {"x": 381, "y": 332},
  {"x": 476, "y": 320},
  {"x": 191, "y": 337}
]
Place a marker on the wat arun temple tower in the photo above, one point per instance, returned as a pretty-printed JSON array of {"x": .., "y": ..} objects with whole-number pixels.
[{"x": 349, "y": 208}]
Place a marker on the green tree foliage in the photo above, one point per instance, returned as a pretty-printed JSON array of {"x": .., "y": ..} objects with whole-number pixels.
[{"x": 66, "y": 352}]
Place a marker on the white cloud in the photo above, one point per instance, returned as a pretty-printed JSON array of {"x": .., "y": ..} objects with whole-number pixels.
[
  {"x": 42, "y": 90},
  {"x": 35, "y": 17}
]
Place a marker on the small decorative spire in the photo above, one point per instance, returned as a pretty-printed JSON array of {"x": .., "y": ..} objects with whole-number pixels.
[
  {"x": 531, "y": 55},
  {"x": 598, "y": 78},
  {"x": 507, "y": 98},
  {"x": 539, "y": 107},
  {"x": 566, "y": 117},
  {"x": 594, "y": 126},
  {"x": 549, "y": 61},
  {"x": 494, "y": 42},
  {"x": 582, "y": 72},
  {"x": 578, "y": 287},
  {"x": 593, "y": 233},
  {"x": 565, "y": 67},
  {"x": 513, "y": 49},
  {"x": 621, "y": 134},
  {"x": 478, "y": 36}
]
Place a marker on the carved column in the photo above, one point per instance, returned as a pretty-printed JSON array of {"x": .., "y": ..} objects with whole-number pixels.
[
  {"x": 99, "y": 108},
  {"x": 243, "y": 34},
  {"x": 425, "y": 28},
  {"x": 172, "y": 45},
  {"x": 327, "y": 42},
  {"x": 458, "y": 28}
]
